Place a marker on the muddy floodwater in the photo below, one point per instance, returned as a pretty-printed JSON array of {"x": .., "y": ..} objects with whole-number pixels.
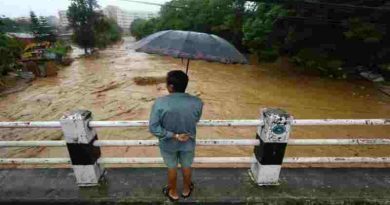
[{"x": 104, "y": 84}]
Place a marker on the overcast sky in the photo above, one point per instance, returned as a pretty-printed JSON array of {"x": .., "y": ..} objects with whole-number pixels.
[{"x": 17, "y": 8}]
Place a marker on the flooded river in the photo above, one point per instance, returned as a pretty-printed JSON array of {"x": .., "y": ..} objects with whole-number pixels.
[{"x": 104, "y": 85}]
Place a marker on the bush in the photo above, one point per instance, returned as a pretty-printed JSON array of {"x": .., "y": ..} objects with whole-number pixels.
[
  {"x": 10, "y": 52},
  {"x": 107, "y": 32},
  {"x": 141, "y": 28},
  {"x": 268, "y": 54},
  {"x": 360, "y": 30},
  {"x": 60, "y": 49},
  {"x": 314, "y": 61},
  {"x": 136, "y": 28},
  {"x": 149, "y": 80},
  {"x": 258, "y": 28},
  {"x": 385, "y": 71}
]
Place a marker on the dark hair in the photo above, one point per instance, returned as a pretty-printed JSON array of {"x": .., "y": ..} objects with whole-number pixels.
[{"x": 178, "y": 79}]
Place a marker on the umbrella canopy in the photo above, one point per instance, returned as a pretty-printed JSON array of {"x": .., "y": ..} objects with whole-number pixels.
[{"x": 190, "y": 45}]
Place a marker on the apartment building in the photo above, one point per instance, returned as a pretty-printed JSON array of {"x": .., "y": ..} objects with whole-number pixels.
[
  {"x": 125, "y": 18},
  {"x": 63, "y": 19},
  {"x": 122, "y": 17}
]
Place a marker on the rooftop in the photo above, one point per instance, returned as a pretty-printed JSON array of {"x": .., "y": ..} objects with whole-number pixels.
[{"x": 21, "y": 35}]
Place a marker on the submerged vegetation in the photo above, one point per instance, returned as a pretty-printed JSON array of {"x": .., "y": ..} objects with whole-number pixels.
[
  {"x": 30, "y": 47},
  {"x": 10, "y": 52},
  {"x": 41, "y": 29},
  {"x": 90, "y": 28},
  {"x": 149, "y": 80},
  {"x": 107, "y": 32},
  {"x": 60, "y": 48}
]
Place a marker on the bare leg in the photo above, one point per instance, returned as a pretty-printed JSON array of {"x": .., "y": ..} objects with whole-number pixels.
[
  {"x": 172, "y": 176},
  {"x": 187, "y": 180}
]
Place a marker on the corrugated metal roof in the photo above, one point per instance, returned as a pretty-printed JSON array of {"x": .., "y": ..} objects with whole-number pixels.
[{"x": 21, "y": 35}]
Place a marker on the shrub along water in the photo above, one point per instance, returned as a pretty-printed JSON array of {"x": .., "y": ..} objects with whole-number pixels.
[
  {"x": 107, "y": 32},
  {"x": 91, "y": 28},
  {"x": 10, "y": 52}
]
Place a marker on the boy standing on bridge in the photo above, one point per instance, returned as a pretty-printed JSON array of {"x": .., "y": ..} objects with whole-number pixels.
[{"x": 173, "y": 120}]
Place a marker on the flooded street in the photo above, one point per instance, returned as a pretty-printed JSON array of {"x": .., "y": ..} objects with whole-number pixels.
[{"x": 104, "y": 85}]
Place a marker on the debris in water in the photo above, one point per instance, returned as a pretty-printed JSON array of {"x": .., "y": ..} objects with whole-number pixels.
[
  {"x": 108, "y": 87},
  {"x": 147, "y": 99},
  {"x": 149, "y": 80},
  {"x": 198, "y": 93},
  {"x": 51, "y": 69}
]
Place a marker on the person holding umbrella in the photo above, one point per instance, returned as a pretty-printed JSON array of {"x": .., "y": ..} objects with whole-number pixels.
[
  {"x": 174, "y": 117},
  {"x": 173, "y": 121}
]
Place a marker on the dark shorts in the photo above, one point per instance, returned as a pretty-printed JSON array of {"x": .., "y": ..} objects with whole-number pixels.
[{"x": 171, "y": 159}]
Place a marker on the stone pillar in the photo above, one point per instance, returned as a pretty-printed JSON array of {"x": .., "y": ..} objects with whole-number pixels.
[
  {"x": 80, "y": 138},
  {"x": 273, "y": 136}
]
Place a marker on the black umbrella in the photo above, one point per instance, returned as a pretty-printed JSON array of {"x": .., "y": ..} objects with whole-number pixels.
[{"x": 190, "y": 45}]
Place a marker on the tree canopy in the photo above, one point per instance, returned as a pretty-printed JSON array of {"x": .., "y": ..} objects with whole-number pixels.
[
  {"x": 10, "y": 51},
  {"x": 82, "y": 15},
  {"x": 90, "y": 27},
  {"x": 323, "y": 35},
  {"x": 41, "y": 28},
  {"x": 107, "y": 31},
  {"x": 15, "y": 26},
  {"x": 221, "y": 17}
]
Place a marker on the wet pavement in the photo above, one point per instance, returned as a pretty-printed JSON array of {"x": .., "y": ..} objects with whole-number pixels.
[{"x": 214, "y": 186}]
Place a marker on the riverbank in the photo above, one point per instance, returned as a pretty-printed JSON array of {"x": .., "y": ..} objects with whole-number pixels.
[
  {"x": 106, "y": 86},
  {"x": 12, "y": 84}
]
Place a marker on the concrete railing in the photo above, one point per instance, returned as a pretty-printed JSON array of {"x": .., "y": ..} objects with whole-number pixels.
[
  {"x": 272, "y": 137},
  {"x": 204, "y": 123},
  {"x": 211, "y": 142}
]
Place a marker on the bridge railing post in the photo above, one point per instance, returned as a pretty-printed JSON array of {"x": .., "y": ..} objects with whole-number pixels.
[
  {"x": 79, "y": 139},
  {"x": 273, "y": 135}
]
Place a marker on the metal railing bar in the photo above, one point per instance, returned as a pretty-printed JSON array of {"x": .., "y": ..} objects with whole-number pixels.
[
  {"x": 219, "y": 123},
  {"x": 32, "y": 143},
  {"x": 341, "y": 122},
  {"x": 206, "y": 142},
  {"x": 202, "y": 160}
]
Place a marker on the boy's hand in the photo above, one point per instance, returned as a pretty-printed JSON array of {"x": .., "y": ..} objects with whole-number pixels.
[{"x": 182, "y": 137}]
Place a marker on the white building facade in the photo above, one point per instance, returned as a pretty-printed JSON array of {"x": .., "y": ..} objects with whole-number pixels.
[
  {"x": 63, "y": 19},
  {"x": 125, "y": 18},
  {"x": 122, "y": 17}
]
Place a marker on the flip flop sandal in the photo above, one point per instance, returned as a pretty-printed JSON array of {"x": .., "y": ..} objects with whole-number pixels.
[
  {"x": 192, "y": 187},
  {"x": 166, "y": 193}
]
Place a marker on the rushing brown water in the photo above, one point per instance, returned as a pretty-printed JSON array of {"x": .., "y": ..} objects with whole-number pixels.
[{"x": 105, "y": 86}]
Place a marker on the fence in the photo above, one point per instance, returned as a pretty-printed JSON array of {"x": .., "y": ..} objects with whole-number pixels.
[{"x": 271, "y": 140}]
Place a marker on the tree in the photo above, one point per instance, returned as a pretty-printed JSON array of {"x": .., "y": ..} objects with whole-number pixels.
[
  {"x": 41, "y": 29},
  {"x": 257, "y": 30},
  {"x": 107, "y": 31},
  {"x": 35, "y": 24},
  {"x": 10, "y": 51},
  {"x": 268, "y": 28},
  {"x": 141, "y": 27},
  {"x": 364, "y": 31},
  {"x": 2, "y": 24},
  {"x": 82, "y": 16},
  {"x": 15, "y": 26},
  {"x": 136, "y": 28},
  {"x": 352, "y": 32},
  {"x": 220, "y": 17}
]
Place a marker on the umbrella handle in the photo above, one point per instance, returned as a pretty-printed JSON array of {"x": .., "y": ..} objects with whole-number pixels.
[{"x": 188, "y": 64}]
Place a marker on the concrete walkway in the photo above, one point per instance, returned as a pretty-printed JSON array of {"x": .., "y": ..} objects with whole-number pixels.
[{"x": 216, "y": 186}]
